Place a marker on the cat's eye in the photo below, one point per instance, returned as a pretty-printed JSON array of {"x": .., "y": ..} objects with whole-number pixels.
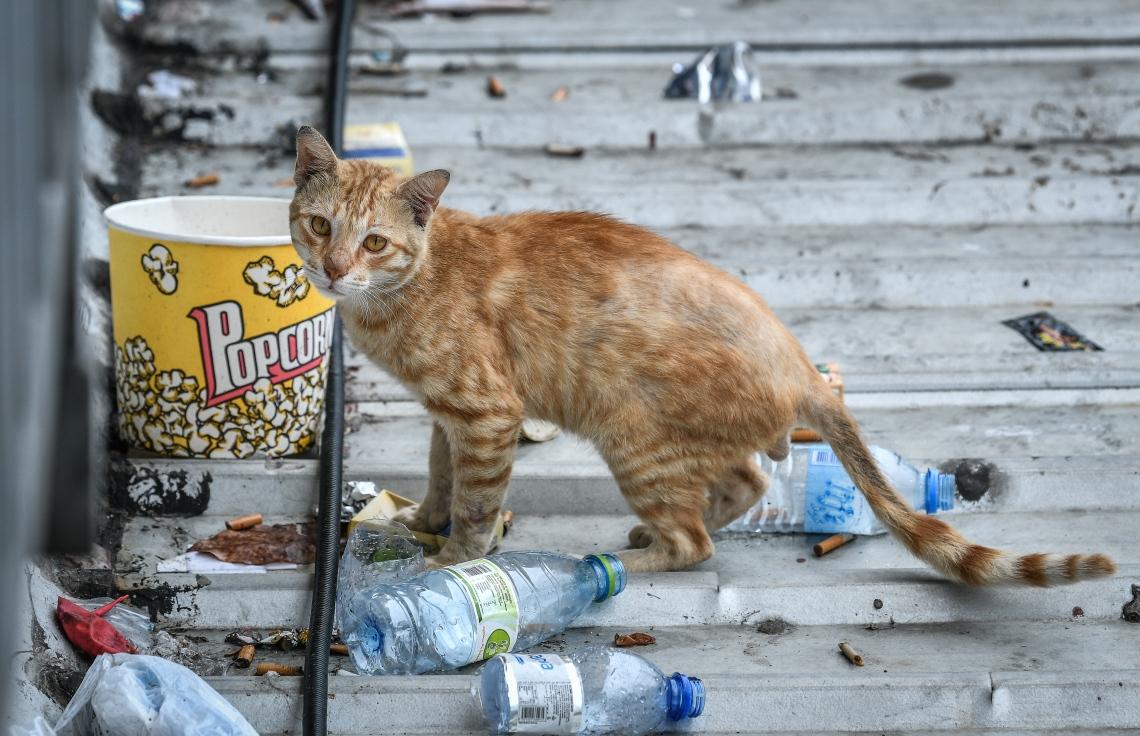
[
  {"x": 375, "y": 243},
  {"x": 320, "y": 225}
]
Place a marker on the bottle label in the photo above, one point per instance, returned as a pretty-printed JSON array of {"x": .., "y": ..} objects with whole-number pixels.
[
  {"x": 496, "y": 605},
  {"x": 832, "y": 502},
  {"x": 544, "y": 692}
]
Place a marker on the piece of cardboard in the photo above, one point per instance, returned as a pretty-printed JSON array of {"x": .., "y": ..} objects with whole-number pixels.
[{"x": 387, "y": 504}]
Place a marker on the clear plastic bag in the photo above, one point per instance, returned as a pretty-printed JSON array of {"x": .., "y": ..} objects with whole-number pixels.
[
  {"x": 130, "y": 622},
  {"x": 140, "y": 695}
]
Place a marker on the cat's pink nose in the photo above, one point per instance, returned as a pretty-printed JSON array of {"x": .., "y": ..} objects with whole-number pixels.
[{"x": 334, "y": 271}]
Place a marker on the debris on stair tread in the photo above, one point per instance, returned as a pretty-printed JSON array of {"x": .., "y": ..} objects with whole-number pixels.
[{"x": 262, "y": 545}]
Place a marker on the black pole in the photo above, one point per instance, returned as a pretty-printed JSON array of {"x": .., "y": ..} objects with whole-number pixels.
[{"x": 315, "y": 719}]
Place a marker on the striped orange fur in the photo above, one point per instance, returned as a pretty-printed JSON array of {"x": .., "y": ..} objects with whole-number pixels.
[{"x": 677, "y": 372}]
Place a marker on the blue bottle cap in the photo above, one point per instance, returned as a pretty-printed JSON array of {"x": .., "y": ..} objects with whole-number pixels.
[
  {"x": 610, "y": 575},
  {"x": 685, "y": 696},
  {"x": 940, "y": 489}
]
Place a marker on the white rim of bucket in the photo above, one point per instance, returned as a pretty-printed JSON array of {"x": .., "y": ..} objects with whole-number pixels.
[{"x": 113, "y": 217}]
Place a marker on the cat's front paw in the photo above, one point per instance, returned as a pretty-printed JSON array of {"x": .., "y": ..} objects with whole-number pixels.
[
  {"x": 432, "y": 563},
  {"x": 413, "y": 519},
  {"x": 453, "y": 553}
]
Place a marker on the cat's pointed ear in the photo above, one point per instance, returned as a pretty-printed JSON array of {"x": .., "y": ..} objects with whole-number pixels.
[
  {"x": 422, "y": 193},
  {"x": 314, "y": 155}
]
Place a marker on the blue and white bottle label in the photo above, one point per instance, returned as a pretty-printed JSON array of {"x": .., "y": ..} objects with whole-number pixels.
[
  {"x": 832, "y": 502},
  {"x": 544, "y": 692}
]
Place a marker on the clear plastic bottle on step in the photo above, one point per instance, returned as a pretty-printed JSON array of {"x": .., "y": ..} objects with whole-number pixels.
[
  {"x": 446, "y": 618},
  {"x": 594, "y": 690},
  {"x": 810, "y": 491}
]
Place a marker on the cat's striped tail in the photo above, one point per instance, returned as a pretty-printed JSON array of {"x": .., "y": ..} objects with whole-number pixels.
[{"x": 929, "y": 538}]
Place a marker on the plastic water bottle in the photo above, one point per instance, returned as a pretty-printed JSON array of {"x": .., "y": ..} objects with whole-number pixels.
[
  {"x": 810, "y": 491},
  {"x": 589, "y": 691},
  {"x": 446, "y": 618}
]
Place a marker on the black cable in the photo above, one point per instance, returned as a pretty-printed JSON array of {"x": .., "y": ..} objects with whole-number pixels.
[{"x": 315, "y": 718}]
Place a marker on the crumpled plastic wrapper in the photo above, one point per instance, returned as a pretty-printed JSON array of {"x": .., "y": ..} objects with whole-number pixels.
[
  {"x": 726, "y": 73},
  {"x": 373, "y": 555},
  {"x": 354, "y": 496}
]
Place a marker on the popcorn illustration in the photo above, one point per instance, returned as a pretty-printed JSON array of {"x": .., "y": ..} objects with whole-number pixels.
[
  {"x": 161, "y": 267},
  {"x": 167, "y": 411},
  {"x": 283, "y": 287}
]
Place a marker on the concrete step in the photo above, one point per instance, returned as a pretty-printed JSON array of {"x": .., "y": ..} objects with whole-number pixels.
[
  {"x": 747, "y": 186},
  {"x": 231, "y": 27},
  {"x": 615, "y": 100},
  {"x": 227, "y": 488},
  {"x": 925, "y": 347},
  {"x": 916, "y": 425},
  {"x": 751, "y": 578},
  {"x": 782, "y": 679}
]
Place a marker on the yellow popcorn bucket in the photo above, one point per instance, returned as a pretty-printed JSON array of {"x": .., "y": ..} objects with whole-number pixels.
[{"x": 220, "y": 341}]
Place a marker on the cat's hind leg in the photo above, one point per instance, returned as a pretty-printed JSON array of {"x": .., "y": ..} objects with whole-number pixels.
[
  {"x": 729, "y": 496},
  {"x": 736, "y": 491},
  {"x": 666, "y": 487},
  {"x": 676, "y": 531}
]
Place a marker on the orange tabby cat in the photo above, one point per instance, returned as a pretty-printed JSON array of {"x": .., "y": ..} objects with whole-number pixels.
[{"x": 677, "y": 372}]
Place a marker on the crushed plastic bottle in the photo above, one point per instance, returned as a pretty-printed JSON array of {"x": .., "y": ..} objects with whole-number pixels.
[
  {"x": 594, "y": 690},
  {"x": 373, "y": 555},
  {"x": 810, "y": 491},
  {"x": 446, "y": 618}
]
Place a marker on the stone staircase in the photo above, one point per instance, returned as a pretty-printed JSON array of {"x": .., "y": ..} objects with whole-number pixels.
[{"x": 892, "y": 223}]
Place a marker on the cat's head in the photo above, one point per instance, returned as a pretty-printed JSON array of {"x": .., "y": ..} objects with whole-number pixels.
[{"x": 358, "y": 227}]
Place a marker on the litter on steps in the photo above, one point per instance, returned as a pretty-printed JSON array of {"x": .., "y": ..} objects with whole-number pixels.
[
  {"x": 594, "y": 690},
  {"x": 810, "y": 491},
  {"x": 127, "y": 694},
  {"x": 446, "y": 618}
]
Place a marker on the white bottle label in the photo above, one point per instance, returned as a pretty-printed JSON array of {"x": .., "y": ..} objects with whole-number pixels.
[
  {"x": 545, "y": 694},
  {"x": 496, "y": 604},
  {"x": 832, "y": 502}
]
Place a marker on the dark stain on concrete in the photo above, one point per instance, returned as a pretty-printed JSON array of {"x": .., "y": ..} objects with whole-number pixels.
[
  {"x": 974, "y": 478},
  {"x": 1131, "y": 610},
  {"x": 774, "y": 627},
  {"x": 928, "y": 81}
]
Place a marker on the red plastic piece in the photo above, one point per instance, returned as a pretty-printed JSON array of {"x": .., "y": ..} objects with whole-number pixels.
[{"x": 91, "y": 633}]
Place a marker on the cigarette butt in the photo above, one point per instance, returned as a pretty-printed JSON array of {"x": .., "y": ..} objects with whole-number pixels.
[
  {"x": 241, "y": 523},
  {"x": 285, "y": 181},
  {"x": 636, "y": 639},
  {"x": 204, "y": 180},
  {"x": 852, "y": 656},
  {"x": 508, "y": 519},
  {"x": 805, "y": 435},
  {"x": 339, "y": 649},
  {"x": 560, "y": 94},
  {"x": 287, "y": 670},
  {"x": 832, "y": 543},
  {"x": 561, "y": 149},
  {"x": 495, "y": 88},
  {"x": 244, "y": 656}
]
